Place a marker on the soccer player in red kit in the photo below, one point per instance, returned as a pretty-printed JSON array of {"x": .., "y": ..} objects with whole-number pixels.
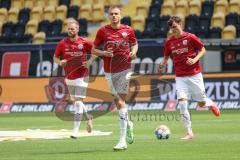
[
  {"x": 186, "y": 50},
  {"x": 119, "y": 48},
  {"x": 71, "y": 54}
]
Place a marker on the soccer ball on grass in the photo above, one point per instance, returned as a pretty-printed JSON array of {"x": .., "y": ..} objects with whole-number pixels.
[{"x": 162, "y": 132}]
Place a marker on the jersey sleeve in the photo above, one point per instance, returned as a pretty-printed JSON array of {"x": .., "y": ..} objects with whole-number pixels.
[
  {"x": 166, "y": 51},
  {"x": 196, "y": 42},
  {"x": 132, "y": 37},
  {"x": 59, "y": 50},
  {"x": 89, "y": 45},
  {"x": 99, "y": 38}
]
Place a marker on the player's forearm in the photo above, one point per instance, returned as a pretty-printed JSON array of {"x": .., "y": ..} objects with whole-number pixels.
[
  {"x": 135, "y": 49},
  {"x": 97, "y": 52},
  {"x": 57, "y": 60},
  {"x": 164, "y": 61},
  {"x": 92, "y": 58},
  {"x": 201, "y": 53}
]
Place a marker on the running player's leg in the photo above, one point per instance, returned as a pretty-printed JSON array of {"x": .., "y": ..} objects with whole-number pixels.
[
  {"x": 119, "y": 86},
  {"x": 198, "y": 93},
  {"x": 81, "y": 91},
  {"x": 123, "y": 116},
  {"x": 182, "y": 96},
  {"x": 77, "y": 89}
]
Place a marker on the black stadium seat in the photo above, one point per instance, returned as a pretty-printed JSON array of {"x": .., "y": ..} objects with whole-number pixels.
[
  {"x": 24, "y": 15},
  {"x": 5, "y": 4},
  {"x": 7, "y": 29},
  {"x": 191, "y": 23},
  {"x": 73, "y": 12},
  {"x": 55, "y": 28},
  {"x": 43, "y": 26},
  {"x": 207, "y": 8},
  {"x": 203, "y": 26},
  {"x": 126, "y": 20},
  {"x": 154, "y": 11},
  {"x": 83, "y": 26},
  {"x": 215, "y": 33},
  {"x": 157, "y": 2},
  {"x": 64, "y": 2},
  {"x": 163, "y": 28},
  {"x": 232, "y": 19},
  {"x": 18, "y": 32}
]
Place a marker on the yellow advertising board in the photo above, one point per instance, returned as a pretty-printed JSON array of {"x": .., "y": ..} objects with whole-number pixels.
[
  {"x": 34, "y": 90},
  {"x": 29, "y": 90}
]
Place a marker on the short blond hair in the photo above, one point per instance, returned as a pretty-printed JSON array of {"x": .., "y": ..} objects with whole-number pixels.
[
  {"x": 72, "y": 20},
  {"x": 113, "y": 7}
]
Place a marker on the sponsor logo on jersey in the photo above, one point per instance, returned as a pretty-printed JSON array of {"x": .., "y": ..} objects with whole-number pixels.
[
  {"x": 80, "y": 46},
  {"x": 124, "y": 34},
  {"x": 185, "y": 42}
]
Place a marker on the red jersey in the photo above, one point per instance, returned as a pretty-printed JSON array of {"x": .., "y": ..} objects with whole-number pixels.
[
  {"x": 75, "y": 53},
  {"x": 118, "y": 41},
  {"x": 180, "y": 49}
]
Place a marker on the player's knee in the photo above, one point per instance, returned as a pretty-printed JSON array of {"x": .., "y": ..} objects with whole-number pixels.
[
  {"x": 183, "y": 104},
  {"x": 201, "y": 104},
  {"x": 119, "y": 103}
]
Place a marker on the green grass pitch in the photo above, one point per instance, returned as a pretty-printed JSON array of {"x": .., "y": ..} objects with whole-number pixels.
[{"x": 216, "y": 138}]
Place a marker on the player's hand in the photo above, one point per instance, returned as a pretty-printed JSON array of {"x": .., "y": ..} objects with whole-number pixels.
[
  {"x": 86, "y": 64},
  {"x": 161, "y": 68},
  {"x": 191, "y": 61},
  {"x": 63, "y": 63},
  {"x": 108, "y": 53},
  {"x": 133, "y": 55}
]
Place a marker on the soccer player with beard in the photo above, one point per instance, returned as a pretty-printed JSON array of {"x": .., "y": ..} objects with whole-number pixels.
[
  {"x": 186, "y": 50},
  {"x": 119, "y": 48},
  {"x": 71, "y": 54}
]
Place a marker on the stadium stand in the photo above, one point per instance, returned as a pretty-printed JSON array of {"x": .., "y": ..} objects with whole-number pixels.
[
  {"x": 5, "y": 4},
  {"x": 205, "y": 18},
  {"x": 29, "y": 3}
]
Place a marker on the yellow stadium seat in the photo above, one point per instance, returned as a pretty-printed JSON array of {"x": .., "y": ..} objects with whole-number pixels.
[
  {"x": 175, "y": 1},
  {"x": 36, "y": 13},
  {"x": 218, "y": 20},
  {"x": 86, "y": 12},
  {"x": 64, "y": 25},
  {"x": 221, "y": 6},
  {"x": 168, "y": 8},
  {"x": 53, "y": 3},
  {"x": 138, "y": 22},
  {"x": 114, "y": 2},
  {"x": 99, "y": 2},
  {"x": 1, "y": 24},
  {"x": 41, "y": 3},
  {"x": 29, "y": 3},
  {"x": 39, "y": 38},
  {"x": 234, "y": 6},
  {"x": 87, "y": 2},
  {"x": 142, "y": 9},
  {"x": 182, "y": 16},
  {"x": 61, "y": 12},
  {"x": 76, "y": 3},
  {"x": 195, "y": 7},
  {"x": 32, "y": 27},
  {"x": 17, "y": 4},
  {"x": 98, "y": 12},
  {"x": 170, "y": 33},
  {"x": 3, "y": 15},
  {"x": 49, "y": 13},
  {"x": 13, "y": 15},
  {"x": 182, "y": 7},
  {"x": 229, "y": 32}
]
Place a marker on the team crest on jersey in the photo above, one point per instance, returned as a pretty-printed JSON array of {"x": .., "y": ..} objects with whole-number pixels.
[
  {"x": 80, "y": 46},
  {"x": 124, "y": 34},
  {"x": 185, "y": 42}
]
